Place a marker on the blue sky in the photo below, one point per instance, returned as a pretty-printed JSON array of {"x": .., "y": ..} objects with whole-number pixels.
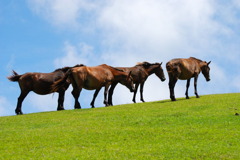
[{"x": 42, "y": 35}]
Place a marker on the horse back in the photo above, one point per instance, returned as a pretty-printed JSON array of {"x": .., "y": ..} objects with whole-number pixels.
[
  {"x": 39, "y": 83},
  {"x": 183, "y": 68},
  {"x": 91, "y": 77}
]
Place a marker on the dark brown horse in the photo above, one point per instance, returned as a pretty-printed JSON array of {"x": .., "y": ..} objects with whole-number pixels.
[
  {"x": 40, "y": 83},
  {"x": 140, "y": 73},
  {"x": 94, "y": 78},
  {"x": 185, "y": 69}
]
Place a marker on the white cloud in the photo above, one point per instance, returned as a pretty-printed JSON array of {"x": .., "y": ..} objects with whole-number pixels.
[
  {"x": 62, "y": 13},
  {"x": 154, "y": 21},
  {"x": 41, "y": 102},
  {"x": 163, "y": 29},
  {"x": 79, "y": 54},
  {"x": 237, "y": 3}
]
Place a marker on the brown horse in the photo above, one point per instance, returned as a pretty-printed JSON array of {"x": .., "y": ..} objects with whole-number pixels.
[
  {"x": 40, "y": 83},
  {"x": 185, "y": 69},
  {"x": 140, "y": 73},
  {"x": 94, "y": 78}
]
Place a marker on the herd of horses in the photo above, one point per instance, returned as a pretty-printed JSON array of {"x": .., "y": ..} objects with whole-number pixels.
[{"x": 94, "y": 78}]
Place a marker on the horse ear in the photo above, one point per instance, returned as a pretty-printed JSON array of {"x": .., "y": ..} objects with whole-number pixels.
[
  {"x": 160, "y": 63},
  {"x": 208, "y": 62}
]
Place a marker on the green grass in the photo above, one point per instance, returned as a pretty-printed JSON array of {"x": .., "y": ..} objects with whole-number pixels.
[{"x": 204, "y": 128}]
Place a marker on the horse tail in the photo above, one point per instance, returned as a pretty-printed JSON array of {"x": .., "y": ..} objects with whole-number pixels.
[
  {"x": 65, "y": 81},
  {"x": 15, "y": 77},
  {"x": 172, "y": 67},
  {"x": 61, "y": 82}
]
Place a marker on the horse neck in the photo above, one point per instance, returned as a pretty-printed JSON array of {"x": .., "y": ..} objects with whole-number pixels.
[
  {"x": 198, "y": 62},
  {"x": 151, "y": 69}
]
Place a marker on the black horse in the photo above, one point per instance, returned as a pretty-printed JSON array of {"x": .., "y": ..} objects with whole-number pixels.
[{"x": 40, "y": 83}]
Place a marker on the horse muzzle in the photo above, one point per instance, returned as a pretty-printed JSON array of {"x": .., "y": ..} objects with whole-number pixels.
[{"x": 132, "y": 89}]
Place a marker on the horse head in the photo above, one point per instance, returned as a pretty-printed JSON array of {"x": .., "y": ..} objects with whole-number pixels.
[
  {"x": 154, "y": 68},
  {"x": 128, "y": 82},
  {"x": 206, "y": 70},
  {"x": 159, "y": 71}
]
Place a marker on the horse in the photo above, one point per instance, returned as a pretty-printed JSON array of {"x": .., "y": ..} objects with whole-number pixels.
[
  {"x": 94, "y": 78},
  {"x": 185, "y": 69},
  {"x": 140, "y": 73},
  {"x": 40, "y": 83}
]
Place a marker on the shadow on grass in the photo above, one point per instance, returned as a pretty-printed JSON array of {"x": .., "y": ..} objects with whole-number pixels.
[{"x": 170, "y": 101}]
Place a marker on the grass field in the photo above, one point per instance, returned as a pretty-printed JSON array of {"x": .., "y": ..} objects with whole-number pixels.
[{"x": 204, "y": 128}]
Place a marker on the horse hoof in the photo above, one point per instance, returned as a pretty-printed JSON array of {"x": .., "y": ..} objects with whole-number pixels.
[
  {"x": 77, "y": 106},
  {"x": 173, "y": 98},
  {"x": 18, "y": 112}
]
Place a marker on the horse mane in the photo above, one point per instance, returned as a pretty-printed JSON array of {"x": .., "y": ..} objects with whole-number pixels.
[
  {"x": 143, "y": 63},
  {"x": 59, "y": 69},
  {"x": 66, "y": 68},
  {"x": 78, "y": 65},
  {"x": 146, "y": 64}
]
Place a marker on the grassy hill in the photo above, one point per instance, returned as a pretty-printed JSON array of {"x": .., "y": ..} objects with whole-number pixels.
[{"x": 204, "y": 128}]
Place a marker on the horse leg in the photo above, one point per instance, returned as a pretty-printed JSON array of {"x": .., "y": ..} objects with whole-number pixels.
[
  {"x": 135, "y": 92},
  {"x": 141, "y": 91},
  {"x": 105, "y": 95},
  {"x": 171, "y": 84},
  {"x": 94, "y": 97},
  {"x": 61, "y": 100},
  {"x": 188, "y": 84},
  {"x": 110, "y": 93},
  {"x": 76, "y": 94},
  {"x": 22, "y": 96},
  {"x": 195, "y": 86}
]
